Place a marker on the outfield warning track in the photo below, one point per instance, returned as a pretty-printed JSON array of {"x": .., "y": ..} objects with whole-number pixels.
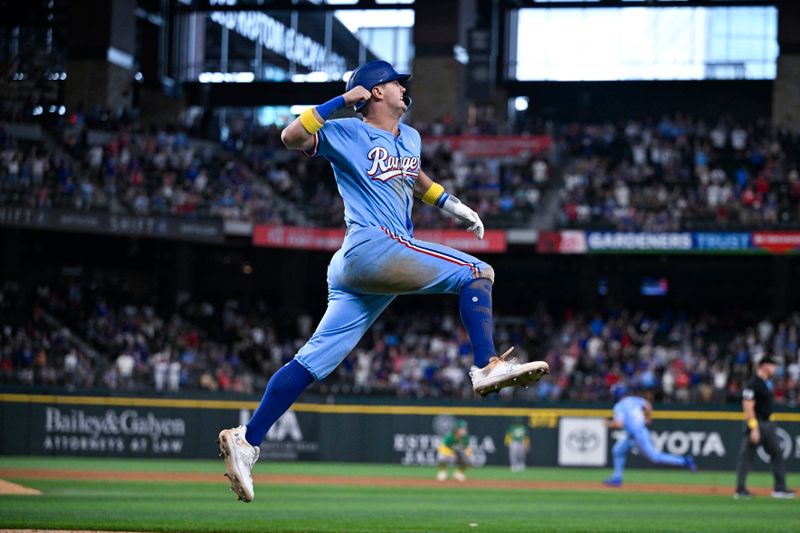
[{"x": 364, "y": 481}]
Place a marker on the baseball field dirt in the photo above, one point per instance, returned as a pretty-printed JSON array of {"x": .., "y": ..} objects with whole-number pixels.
[
  {"x": 358, "y": 481},
  {"x": 192, "y": 496},
  {"x": 6, "y": 487}
]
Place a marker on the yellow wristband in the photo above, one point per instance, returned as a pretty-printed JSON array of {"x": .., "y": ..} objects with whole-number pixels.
[
  {"x": 752, "y": 423},
  {"x": 433, "y": 194},
  {"x": 310, "y": 122}
]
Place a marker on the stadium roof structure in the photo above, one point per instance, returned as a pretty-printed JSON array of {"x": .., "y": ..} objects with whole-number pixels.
[
  {"x": 554, "y": 4},
  {"x": 290, "y": 5},
  {"x": 323, "y": 5}
]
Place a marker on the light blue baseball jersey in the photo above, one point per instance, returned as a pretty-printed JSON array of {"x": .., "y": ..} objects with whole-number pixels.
[
  {"x": 630, "y": 411},
  {"x": 380, "y": 258},
  {"x": 374, "y": 170}
]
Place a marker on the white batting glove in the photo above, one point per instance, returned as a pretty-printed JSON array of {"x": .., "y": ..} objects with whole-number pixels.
[{"x": 466, "y": 215}]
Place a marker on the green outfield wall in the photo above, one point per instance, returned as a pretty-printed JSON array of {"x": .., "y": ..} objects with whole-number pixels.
[{"x": 381, "y": 431}]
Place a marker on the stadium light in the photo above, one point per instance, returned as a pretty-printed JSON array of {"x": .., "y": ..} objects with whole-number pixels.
[
  {"x": 297, "y": 109},
  {"x": 315, "y": 76},
  {"x": 226, "y": 77}
]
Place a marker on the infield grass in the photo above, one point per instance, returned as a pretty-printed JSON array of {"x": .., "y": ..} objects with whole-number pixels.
[{"x": 206, "y": 507}]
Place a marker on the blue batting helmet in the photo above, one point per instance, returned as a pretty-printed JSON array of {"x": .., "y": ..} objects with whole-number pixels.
[
  {"x": 619, "y": 391},
  {"x": 374, "y": 73}
]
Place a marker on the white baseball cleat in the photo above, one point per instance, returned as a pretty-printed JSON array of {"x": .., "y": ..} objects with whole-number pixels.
[
  {"x": 505, "y": 371},
  {"x": 459, "y": 476},
  {"x": 240, "y": 456},
  {"x": 441, "y": 475}
]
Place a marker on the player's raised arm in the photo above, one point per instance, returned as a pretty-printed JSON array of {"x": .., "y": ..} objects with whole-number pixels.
[
  {"x": 299, "y": 134},
  {"x": 432, "y": 193}
]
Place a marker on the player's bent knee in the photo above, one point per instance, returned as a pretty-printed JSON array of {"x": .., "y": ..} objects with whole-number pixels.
[{"x": 487, "y": 272}]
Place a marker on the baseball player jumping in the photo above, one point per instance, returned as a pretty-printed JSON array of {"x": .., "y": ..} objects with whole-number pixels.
[{"x": 376, "y": 164}]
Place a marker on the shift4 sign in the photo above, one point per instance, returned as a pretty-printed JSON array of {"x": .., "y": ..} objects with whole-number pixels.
[{"x": 112, "y": 432}]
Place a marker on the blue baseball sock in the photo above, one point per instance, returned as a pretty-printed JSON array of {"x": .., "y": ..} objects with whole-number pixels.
[
  {"x": 282, "y": 391},
  {"x": 476, "y": 314}
]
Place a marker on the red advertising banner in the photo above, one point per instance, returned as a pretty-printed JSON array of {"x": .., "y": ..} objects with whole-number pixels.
[
  {"x": 562, "y": 242},
  {"x": 777, "y": 242},
  {"x": 297, "y": 238},
  {"x": 494, "y": 241},
  {"x": 493, "y": 145}
]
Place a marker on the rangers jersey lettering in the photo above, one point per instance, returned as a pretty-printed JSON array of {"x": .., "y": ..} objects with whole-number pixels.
[
  {"x": 385, "y": 167},
  {"x": 375, "y": 172}
]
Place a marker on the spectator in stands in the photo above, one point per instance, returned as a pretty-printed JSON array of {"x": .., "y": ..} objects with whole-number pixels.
[
  {"x": 227, "y": 348},
  {"x": 680, "y": 175}
]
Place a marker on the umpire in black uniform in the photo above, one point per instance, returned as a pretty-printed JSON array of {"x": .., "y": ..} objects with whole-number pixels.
[{"x": 757, "y": 405}]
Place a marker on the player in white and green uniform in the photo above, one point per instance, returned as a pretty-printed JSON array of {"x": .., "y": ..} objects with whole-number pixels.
[
  {"x": 518, "y": 444},
  {"x": 455, "y": 451}
]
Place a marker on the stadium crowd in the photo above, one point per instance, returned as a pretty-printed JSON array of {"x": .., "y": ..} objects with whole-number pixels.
[
  {"x": 78, "y": 338},
  {"x": 249, "y": 177},
  {"x": 157, "y": 172},
  {"x": 681, "y": 173},
  {"x": 674, "y": 174}
]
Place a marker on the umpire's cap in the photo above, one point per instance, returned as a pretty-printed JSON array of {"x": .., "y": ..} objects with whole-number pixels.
[
  {"x": 767, "y": 360},
  {"x": 371, "y": 74}
]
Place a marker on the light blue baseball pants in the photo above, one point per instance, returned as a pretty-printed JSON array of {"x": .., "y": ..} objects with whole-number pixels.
[
  {"x": 371, "y": 268},
  {"x": 640, "y": 437}
]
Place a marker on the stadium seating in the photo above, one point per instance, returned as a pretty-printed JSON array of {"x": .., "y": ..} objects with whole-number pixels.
[
  {"x": 681, "y": 174},
  {"x": 79, "y": 337},
  {"x": 163, "y": 171}
]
